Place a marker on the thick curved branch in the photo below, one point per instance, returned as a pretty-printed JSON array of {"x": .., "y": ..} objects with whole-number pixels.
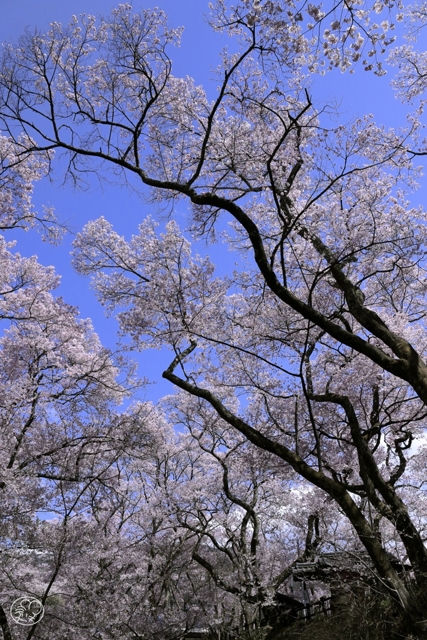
[{"x": 214, "y": 575}]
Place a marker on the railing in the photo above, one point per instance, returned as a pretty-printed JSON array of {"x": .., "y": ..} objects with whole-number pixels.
[{"x": 322, "y": 607}]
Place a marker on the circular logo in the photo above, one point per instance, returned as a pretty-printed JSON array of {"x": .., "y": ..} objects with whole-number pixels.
[{"x": 27, "y": 611}]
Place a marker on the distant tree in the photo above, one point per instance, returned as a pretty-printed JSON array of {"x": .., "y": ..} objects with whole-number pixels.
[{"x": 314, "y": 348}]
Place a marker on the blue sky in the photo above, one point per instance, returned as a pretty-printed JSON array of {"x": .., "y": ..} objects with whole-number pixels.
[{"x": 357, "y": 94}]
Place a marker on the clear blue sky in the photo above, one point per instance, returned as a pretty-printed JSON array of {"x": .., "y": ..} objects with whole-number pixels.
[{"x": 358, "y": 94}]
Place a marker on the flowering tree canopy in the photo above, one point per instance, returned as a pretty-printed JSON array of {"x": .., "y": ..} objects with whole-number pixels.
[{"x": 304, "y": 366}]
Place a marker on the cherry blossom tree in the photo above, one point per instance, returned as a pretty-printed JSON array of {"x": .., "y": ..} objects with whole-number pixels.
[
  {"x": 66, "y": 449},
  {"x": 313, "y": 348},
  {"x": 113, "y": 558},
  {"x": 17, "y": 177},
  {"x": 63, "y": 440},
  {"x": 236, "y": 503}
]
